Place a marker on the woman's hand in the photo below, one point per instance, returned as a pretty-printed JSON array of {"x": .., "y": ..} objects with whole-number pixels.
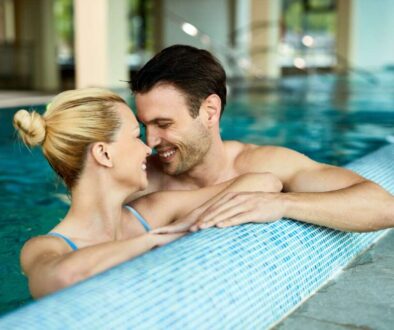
[{"x": 181, "y": 225}]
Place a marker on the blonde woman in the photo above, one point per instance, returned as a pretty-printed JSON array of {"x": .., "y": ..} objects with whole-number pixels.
[{"x": 90, "y": 137}]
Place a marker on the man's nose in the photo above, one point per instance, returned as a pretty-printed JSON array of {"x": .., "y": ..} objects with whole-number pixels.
[
  {"x": 148, "y": 151},
  {"x": 152, "y": 139}
]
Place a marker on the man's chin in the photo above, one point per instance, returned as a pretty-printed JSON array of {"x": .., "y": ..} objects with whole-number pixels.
[{"x": 171, "y": 169}]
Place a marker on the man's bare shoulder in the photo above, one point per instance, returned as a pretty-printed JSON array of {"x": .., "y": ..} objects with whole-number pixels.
[
  {"x": 250, "y": 155},
  {"x": 267, "y": 151},
  {"x": 244, "y": 148},
  {"x": 274, "y": 159}
]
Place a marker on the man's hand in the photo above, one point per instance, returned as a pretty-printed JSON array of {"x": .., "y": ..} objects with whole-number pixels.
[
  {"x": 237, "y": 208},
  {"x": 256, "y": 182}
]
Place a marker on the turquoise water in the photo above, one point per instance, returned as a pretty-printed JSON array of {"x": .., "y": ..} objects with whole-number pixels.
[{"x": 329, "y": 119}]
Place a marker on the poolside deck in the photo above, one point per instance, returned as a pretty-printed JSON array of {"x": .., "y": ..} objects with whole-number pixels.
[
  {"x": 12, "y": 99},
  {"x": 362, "y": 297}
]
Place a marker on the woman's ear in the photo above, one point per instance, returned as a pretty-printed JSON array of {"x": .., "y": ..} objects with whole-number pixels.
[
  {"x": 101, "y": 154},
  {"x": 212, "y": 107}
]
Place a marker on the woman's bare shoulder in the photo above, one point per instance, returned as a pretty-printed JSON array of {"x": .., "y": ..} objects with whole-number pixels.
[{"x": 39, "y": 248}]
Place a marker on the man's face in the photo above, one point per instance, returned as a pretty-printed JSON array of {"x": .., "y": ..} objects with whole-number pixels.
[{"x": 181, "y": 141}]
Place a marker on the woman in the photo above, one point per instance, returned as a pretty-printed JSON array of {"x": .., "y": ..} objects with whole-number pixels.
[{"x": 90, "y": 137}]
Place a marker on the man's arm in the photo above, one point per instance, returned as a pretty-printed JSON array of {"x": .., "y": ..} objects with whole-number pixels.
[
  {"x": 316, "y": 193},
  {"x": 162, "y": 208}
]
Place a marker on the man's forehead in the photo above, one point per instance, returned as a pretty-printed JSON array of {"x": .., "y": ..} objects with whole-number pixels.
[
  {"x": 161, "y": 112},
  {"x": 163, "y": 94},
  {"x": 155, "y": 112}
]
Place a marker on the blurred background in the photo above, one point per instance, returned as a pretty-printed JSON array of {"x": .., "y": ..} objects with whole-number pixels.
[
  {"x": 53, "y": 45},
  {"x": 316, "y": 76}
]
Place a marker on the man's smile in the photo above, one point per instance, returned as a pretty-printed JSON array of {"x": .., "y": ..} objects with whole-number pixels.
[{"x": 166, "y": 154}]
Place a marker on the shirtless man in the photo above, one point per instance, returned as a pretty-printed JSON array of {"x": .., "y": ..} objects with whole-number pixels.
[{"x": 180, "y": 96}]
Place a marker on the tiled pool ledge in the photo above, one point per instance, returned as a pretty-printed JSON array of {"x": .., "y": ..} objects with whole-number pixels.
[{"x": 246, "y": 277}]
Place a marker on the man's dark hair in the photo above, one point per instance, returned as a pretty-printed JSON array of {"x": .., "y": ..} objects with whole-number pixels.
[{"x": 195, "y": 72}]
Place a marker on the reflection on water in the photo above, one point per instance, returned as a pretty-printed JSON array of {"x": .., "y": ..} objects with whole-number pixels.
[{"x": 330, "y": 120}]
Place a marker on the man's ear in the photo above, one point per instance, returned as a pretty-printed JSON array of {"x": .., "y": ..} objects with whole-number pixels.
[
  {"x": 101, "y": 154},
  {"x": 212, "y": 107}
]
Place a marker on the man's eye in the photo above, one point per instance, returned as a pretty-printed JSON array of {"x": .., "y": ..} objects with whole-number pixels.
[{"x": 164, "y": 125}]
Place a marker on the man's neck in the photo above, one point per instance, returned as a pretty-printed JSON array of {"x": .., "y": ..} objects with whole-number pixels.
[{"x": 214, "y": 168}]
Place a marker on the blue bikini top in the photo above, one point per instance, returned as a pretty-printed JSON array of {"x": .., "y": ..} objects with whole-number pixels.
[{"x": 140, "y": 218}]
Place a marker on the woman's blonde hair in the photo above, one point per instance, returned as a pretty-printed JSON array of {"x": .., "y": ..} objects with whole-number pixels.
[{"x": 73, "y": 120}]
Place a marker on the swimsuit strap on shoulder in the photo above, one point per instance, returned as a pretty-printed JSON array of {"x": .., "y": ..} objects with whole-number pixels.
[
  {"x": 139, "y": 217},
  {"x": 68, "y": 241}
]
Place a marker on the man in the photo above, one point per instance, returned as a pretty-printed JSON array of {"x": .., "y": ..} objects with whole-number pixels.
[{"x": 180, "y": 96}]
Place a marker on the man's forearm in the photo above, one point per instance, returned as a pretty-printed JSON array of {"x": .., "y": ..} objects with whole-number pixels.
[{"x": 362, "y": 207}]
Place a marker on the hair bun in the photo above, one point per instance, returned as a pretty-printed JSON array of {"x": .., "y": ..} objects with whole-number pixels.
[{"x": 31, "y": 127}]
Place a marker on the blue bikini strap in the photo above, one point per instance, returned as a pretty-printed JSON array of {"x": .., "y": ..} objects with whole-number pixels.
[
  {"x": 68, "y": 241},
  {"x": 139, "y": 217}
]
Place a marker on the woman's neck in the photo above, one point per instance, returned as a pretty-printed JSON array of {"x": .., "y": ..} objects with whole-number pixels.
[{"x": 97, "y": 207}]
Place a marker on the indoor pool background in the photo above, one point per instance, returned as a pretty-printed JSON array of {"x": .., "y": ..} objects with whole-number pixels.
[{"x": 330, "y": 119}]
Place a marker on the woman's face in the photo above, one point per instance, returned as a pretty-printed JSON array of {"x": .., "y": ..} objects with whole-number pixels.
[{"x": 129, "y": 152}]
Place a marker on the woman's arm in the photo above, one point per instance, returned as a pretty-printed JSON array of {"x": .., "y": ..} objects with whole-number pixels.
[
  {"x": 50, "y": 266},
  {"x": 162, "y": 208}
]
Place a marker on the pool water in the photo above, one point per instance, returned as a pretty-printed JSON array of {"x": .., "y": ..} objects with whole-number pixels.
[
  {"x": 330, "y": 119},
  {"x": 28, "y": 207}
]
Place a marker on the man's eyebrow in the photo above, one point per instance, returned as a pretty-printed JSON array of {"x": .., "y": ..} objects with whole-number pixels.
[{"x": 156, "y": 120}]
